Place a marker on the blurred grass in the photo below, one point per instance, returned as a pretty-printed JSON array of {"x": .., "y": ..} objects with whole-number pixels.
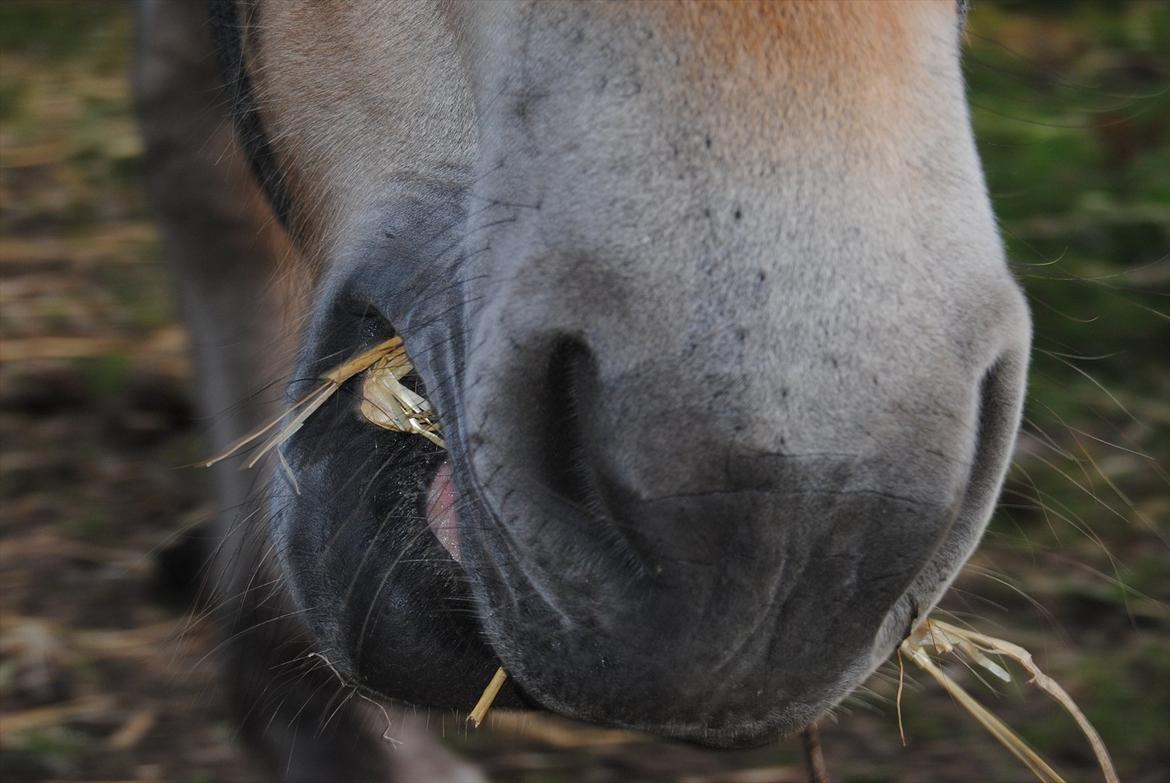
[
  {"x": 1071, "y": 106},
  {"x": 1072, "y": 112}
]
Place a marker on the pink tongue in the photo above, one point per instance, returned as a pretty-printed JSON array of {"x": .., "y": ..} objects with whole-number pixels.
[{"x": 441, "y": 516}]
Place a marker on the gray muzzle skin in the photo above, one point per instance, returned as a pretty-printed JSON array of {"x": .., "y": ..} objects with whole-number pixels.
[{"x": 730, "y": 371}]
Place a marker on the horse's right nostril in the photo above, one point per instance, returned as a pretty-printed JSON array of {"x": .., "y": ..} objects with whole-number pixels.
[{"x": 569, "y": 400}]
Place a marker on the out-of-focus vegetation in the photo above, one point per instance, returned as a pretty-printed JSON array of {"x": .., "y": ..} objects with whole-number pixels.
[
  {"x": 99, "y": 679},
  {"x": 1071, "y": 106}
]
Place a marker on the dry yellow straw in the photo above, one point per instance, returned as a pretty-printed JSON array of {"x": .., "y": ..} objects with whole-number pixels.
[
  {"x": 489, "y": 695},
  {"x": 946, "y": 638},
  {"x": 392, "y": 406},
  {"x": 386, "y": 402}
]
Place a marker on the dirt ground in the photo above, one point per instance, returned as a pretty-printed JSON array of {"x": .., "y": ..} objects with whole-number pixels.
[{"x": 106, "y": 674}]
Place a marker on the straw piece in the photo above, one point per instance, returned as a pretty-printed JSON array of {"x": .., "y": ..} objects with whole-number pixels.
[
  {"x": 131, "y": 733},
  {"x": 315, "y": 401},
  {"x": 238, "y": 445},
  {"x": 549, "y": 729},
  {"x": 38, "y": 718},
  {"x": 990, "y": 644},
  {"x": 1006, "y": 737},
  {"x": 898, "y": 698},
  {"x": 391, "y": 352},
  {"x": 947, "y": 638},
  {"x": 389, "y": 404},
  {"x": 363, "y": 361},
  {"x": 479, "y": 713},
  {"x": 814, "y": 758}
]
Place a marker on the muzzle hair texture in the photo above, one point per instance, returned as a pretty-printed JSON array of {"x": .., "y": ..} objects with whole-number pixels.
[{"x": 387, "y": 403}]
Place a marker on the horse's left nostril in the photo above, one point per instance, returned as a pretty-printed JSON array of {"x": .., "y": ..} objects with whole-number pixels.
[{"x": 570, "y": 393}]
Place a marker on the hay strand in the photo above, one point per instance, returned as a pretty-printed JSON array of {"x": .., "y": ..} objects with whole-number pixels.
[
  {"x": 950, "y": 639},
  {"x": 363, "y": 361},
  {"x": 898, "y": 698},
  {"x": 814, "y": 758},
  {"x": 1015, "y": 744},
  {"x": 390, "y": 355},
  {"x": 387, "y": 403},
  {"x": 480, "y": 711}
]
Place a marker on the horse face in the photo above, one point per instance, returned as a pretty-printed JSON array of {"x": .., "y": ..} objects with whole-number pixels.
[{"x": 711, "y": 303}]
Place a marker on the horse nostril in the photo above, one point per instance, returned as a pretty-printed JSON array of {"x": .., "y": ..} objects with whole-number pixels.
[
  {"x": 567, "y": 405},
  {"x": 1000, "y": 399}
]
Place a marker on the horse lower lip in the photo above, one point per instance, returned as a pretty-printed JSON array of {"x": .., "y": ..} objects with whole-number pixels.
[{"x": 441, "y": 516}]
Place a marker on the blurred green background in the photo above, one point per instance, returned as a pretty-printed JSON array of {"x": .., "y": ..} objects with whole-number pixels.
[{"x": 101, "y": 678}]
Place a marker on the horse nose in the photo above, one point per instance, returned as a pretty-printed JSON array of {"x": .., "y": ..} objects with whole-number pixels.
[
  {"x": 591, "y": 455},
  {"x": 649, "y": 510},
  {"x": 656, "y": 568}
]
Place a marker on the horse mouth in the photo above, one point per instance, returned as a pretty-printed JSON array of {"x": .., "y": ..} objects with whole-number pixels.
[{"x": 425, "y": 591}]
